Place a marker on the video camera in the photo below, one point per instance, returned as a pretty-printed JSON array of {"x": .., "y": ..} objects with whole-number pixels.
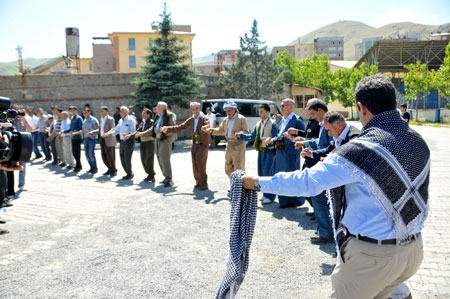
[{"x": 20, "y": 144}]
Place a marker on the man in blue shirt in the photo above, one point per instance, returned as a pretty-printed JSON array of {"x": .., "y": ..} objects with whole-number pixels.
[
  {"x": 76, "y": 124},
  {"x": 89, "y": 131},
  {"x": 378, "y": 190},
  {"x": 317, "y": 109}
]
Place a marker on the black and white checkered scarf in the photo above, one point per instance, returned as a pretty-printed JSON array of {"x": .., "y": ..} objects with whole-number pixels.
[
  {"x": 242, "y": 224},
  {"x": 394, "y": 162}
]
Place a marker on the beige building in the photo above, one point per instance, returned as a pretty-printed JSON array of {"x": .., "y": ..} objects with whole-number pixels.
[
  {"x": 303, "y": 51},
  {"x": 276, "y": 50}
]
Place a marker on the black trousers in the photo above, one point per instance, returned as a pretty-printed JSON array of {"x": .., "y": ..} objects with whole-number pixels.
[
  {"x": 53, "y": 148},
  {"x": 3, "y": 185},
  {"x": 148, "y": 156},
  {"x": 126, "y": 152},
  {"x": 76, "y": 151},
  {"x": 10, "y": 187},
  {"x": 108, "y": 155}
]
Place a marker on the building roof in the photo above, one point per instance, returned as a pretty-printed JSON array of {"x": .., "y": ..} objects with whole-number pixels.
[
  {"x": 345, "y": 64},
  {"x": 392, "y": 55},
  {"x": 47, "y": 65}
]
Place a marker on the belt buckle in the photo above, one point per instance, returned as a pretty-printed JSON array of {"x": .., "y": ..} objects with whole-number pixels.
[{"x": 408, "y": 241}]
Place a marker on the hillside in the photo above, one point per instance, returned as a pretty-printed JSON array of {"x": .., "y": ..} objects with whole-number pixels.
[
  {"x": 12, "y": 68},
  {"x": 354, "y": 31}
]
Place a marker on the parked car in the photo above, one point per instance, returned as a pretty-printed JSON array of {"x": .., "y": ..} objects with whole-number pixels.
[{"x": 246, "y": 107}]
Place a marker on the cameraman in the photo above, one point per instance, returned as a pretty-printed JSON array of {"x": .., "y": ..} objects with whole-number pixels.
[{"x": 4, "y": 167}]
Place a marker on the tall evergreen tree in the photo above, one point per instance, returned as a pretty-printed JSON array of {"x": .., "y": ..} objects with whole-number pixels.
[
  {"x": 166, "y": 77},
  {"x": 255, "y": 74}
]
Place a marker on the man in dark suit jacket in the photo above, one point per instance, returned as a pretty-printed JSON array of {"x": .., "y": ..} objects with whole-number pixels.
[
  {"x": 200, "y": 143},
  {"x": 145, "y": 130},
  {"x": 107, "y": 143},
  {"x": 342, "y": 133},
  {"x": 287, "y": 158}
]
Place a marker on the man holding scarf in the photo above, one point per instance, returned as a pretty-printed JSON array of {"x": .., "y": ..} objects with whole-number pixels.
[
  {"x": 200, "y": 143},
  {"x": 265, "y": 128},
  {"x": 233, "y": 123},
  {"x": 378, "y": 191}
]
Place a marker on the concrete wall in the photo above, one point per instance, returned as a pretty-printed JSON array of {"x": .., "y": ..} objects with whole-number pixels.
[
  {"x": 110, "y": 89},
  {"x": 430, "y": 115}
]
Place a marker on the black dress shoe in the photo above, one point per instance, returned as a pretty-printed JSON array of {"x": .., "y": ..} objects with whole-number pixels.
[
  {"x": 113, "y": 173},
  {"x": 320, "y": 240},
  {"x": 69, "y": 167},
  {"x": 3, "y": 231},
  {"x": 5, "y": 204},
  {"x": 94, "y": 171},
  {"x": 2, "y": 221},
  {"x": 168, "y": 183},
  {"x": 55, "y": 163},
  {"x": 62, "y": 165},
  {"x": 291, "y": 205},
  {"x": 128, "y": 177},
  {"x": 310, "y": 214},
  {"x": 107, "y": 173},
  {"x": 77, "y": 169},
  {"x": 150, "y": 179}
]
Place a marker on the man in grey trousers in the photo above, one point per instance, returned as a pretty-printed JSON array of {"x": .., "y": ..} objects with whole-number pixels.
[
  {"x": 126, "y": 126},
  {"x": 164, "y": 118}
]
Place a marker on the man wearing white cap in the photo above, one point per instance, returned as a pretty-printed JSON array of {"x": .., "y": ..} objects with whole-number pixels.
[
  {"x": 200, "y": 143},
  {"x": 233, "y": 123}
]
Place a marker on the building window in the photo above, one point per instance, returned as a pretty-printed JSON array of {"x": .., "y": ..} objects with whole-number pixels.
[
  {"x": 131, "y": 44},
  {"x": 90, "y": 66},
  {"x": 150, "y": 42},
  {"x": 132, "y": 62}
]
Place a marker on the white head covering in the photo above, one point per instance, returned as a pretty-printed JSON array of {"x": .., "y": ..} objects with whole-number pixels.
[{"x": 230, "y": 105}]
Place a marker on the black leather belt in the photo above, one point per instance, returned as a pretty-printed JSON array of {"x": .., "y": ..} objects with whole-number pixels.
[{"x": 385, "y": 242}]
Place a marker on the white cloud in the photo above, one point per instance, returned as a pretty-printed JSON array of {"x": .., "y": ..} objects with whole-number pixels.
[{"x": 396, "y": 15}]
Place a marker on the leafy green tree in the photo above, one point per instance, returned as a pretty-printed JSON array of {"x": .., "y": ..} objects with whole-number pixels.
[
  {"x": 166, "y": 76},
  {"x": 441, "y": 78},
  {"x": 418, "y": 83},
  {"x": 314, "y": 71},
  {"x": 255, "y": 74}
]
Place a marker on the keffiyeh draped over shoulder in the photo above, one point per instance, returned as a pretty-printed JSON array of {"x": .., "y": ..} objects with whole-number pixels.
[
  {"x": 242, "y": 225},
  {"x": 394, "y": 161}
]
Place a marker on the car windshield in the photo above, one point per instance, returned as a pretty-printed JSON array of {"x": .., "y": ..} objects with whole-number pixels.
[{"x": 246, "y": 109}]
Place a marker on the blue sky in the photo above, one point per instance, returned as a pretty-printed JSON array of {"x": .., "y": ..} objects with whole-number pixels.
[{"x": 38, "y": 25}]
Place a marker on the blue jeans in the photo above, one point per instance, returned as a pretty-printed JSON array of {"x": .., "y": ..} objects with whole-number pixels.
[
  {"x": 22, "y": 174},
  {"x": 322, "y": 214},
  {"x": 44, "y": 144},
  {"x": 35, "y": 136},
  {"x": 89, "y": 146}
]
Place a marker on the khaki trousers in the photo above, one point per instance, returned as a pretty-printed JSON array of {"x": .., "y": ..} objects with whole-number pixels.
[
  {"x": 163, "y": 153},
  {"x": 66, "y": 147},
  {"x": 374, "y": 271},
  {"x": 234, "y": 157},
  {"x": 148, "y": 156}
]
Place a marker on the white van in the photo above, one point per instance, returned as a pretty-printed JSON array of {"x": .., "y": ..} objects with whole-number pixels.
[{"x": 246, "y": 107}]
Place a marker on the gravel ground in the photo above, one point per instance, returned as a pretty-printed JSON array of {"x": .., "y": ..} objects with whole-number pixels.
[{"x": 78, "y": 236}]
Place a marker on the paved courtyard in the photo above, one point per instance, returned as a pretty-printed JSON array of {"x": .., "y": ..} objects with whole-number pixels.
[{"x": 83, "y": 236}]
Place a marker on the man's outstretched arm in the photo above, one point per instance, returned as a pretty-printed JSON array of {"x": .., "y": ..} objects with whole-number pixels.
[{"x": 323, "y": 176}]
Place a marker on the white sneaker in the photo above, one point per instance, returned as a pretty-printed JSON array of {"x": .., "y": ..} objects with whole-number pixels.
[
  {"x": 267, "y": 200},
  {"x": 262, "y": 198},
  {"x": 22, "y": 189}
]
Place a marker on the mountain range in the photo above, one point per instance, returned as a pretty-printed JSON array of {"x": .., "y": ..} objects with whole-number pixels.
[
  {"x": 12, "y": 68},
  {"x": 353, "y": 32}
]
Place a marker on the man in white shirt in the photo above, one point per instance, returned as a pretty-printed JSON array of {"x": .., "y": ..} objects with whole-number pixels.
[
  {"x": 66, "y": 140},
  {"x": 126, "y": 126},
  {"x": 33, "y": 120}
]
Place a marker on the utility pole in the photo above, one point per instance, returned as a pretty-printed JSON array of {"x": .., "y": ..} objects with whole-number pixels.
[{"x": 19, "y": 51}]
